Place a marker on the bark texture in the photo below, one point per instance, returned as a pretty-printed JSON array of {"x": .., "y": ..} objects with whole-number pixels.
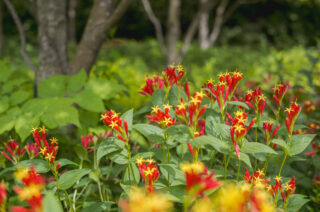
[
  {"x": 72, "y": 21},
  {"x": 173, "y": 30},
  {"x": 52, "y": 37}
]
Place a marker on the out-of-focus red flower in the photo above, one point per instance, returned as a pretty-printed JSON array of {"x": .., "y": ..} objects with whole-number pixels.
[
  {"x": 313, "y": 127},
  {"x": 149, "y": 172},
  {"x": 238, "y": 129},
  {"x": 256, "y": 100},
  {"x": 293, "y": 112},
  {"x": 279, "y": 92},
  {"x": 14, "y": 151},
  {"x": 120, "y": 127},
  {"x": 316, "y": 148},
  {"x": 3, "y": 197},
  {"x": 308, "y": 107},
  {"x": 316, "y": 180},
  {"x": 32, "y": 150},
  {"x": 197, "y": 177},
  {"x": 86, "y": 141},
  {"x": 256, "y": 178}
]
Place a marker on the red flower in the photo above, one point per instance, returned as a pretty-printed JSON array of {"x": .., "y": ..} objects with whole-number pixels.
[
  {"x": 289, "y": 189},
  {"x": 256, "y": 100},
  {"x": 279, "y": 92},
  {"x": 120, "y": 127},
  {"x": 151, "y": 85},
  {"x": 149, "y": 172},
  {"x": 163, "y": 118},
  {"x": 32, "y": 150},
  {"x": 293, "y": 112},
  {"x": 267, "y": 126},
  {"x": 86, "y": 141},
  {"x": 315, "y": 149},
  {"x": 3, "y": 196},
  {"x": 14, "y": 151},
  {"x": 257, "y": 177}
]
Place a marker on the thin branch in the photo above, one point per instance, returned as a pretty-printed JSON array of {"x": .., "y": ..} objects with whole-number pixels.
[
  {"x": 218, "y": 21},
  {"x": 235, "y": 5},
  {"x": 117, "y": 14},
  {"x": 23, "y": 42},
  {"x": 156, "y": 23}
]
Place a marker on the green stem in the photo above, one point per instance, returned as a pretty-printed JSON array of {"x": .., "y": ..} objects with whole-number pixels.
[
  {"x": 265, "y": 168},
  {"x": 226, "y": 166},
  {"x": 76, "y": 190},
  {"x": 69, "y": 200}
]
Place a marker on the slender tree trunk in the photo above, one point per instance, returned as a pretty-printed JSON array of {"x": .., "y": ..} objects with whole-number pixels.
[
  {"x": 52, "y": 36},
  {"x": 72, "y": 21},
  {"x": 204, "y": 24},
  {"x": 173, "y": 30},
  {"x": 1, "y": 28},
  {"x": 102, "y": 18}
]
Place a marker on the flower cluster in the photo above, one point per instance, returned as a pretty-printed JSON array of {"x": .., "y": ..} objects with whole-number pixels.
[
  {"x": 31, "y": 192},
  {"x": 225, "y": 88},
  {"x": 3, "y": 197},
  {"x": 140, "y": 201},
  {"x": 197, "y": 178},
  {"x": 14, "y": 151},
  {"x": 308, "y": 107},
  {"x": 149, "y": 172},
  {"x": 279, "y": 92},
  {"x": 32, "y": 150},
  {"x": 112, "y": 120},
  {"x": 163, "y": 118},
  {"x": 238, "y": 129},
  {"x": 86, "y": 141},
  {"x": 293, "y": 112},
  {"x": 256, "y": 100},
  {"x": 170, "y": 76},
  {"x": 289, "y": 189},
  {"x": 49, "y": 151},
  {"x": 256, "y": 178},
  {"x": 267, "y": 126}
]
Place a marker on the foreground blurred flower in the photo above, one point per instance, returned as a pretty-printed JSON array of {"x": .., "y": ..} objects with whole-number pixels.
[
  {"x": 149, "y": 172},
  {"x": 3, "y": 197},
  {"x": 14, "y": 151},
  {"x": 197, "y": 179},
  {"x": 256, "y": 178},
  {"x": 31, "y": 192},
  {"x": 120, "y": 127},
  {"x": 140, "y": 201}
]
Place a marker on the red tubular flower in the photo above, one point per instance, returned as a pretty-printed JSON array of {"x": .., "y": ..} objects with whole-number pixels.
[
  {"x": 279, "y": 92},
  {"x": 14, "y": 151},
  {"x": 267, "y": 126},
  {"x": 257, "y": 177},
  {"x": 163, "y": 118},
  {"x": 32, "y": 149},
  {"x": 289, "y": 189},
  {"x": 172, "y": 75},
  {"x": 256, "y": 100},
  {"x": 112, "y": 120},
  {"x": 86, "y": 141},
  {"x": 197, "y": 175},
  {"x": 151, "y": 85},
  {"x": 293, "y": 112},
  {"x": 187, "y": 90},
  {"x": 48, "y": 151},
  {"x": 149, "y": 172},
  {"x": 31, "y": 192},
  {"x": 238, "y": 129},
  {"x": 3, "y": 196},
  {"x": 315, "y": 149}
]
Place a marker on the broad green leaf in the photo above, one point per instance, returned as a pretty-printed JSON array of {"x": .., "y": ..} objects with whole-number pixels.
[
  {"x": 179, "y": 133},
  {"x": 176, "y": 193},
  {"x": 5, "y": 71},
  {"x": 119, "y": 157},
  {"x": 105, "y": 149},
  {"x": 51, "y": 203},
  {"x": 54, "y": 86},
  {"x": 134, "y": 174},
  {"x": 105, "y": 89},
  {"x": 35, "y": 106},
  {"x": 61, "y": 117},
  {"x": 18, "y": 97},
  {"x": 128, "y": 116},
  {"x": 281, "y": 143},
  {"x": 77, "y": 82},
  {"x": 216, "y": 143},
  {"x": 65, "y": 162},
  {"x": 10, "y": 85},
  {"x": 300, "y": 142},
  {"x": 25, "y": 123},
  {"x": 244, "y": 158},
  {"x": 254, "y": 147},
  {"x": 4, "y": 104},
  {"x": 242, "y": 104},
  {"x": 153, "y": 133},
  {"x": 40, "y": 165},
  {"x": 174, "y": 95},
  {"x": 157, "y": 97},
  {"x": 295, "y": 202},
  {"x": 89, "y": 101},
  {"x": 168, "y": 170},
  {"x": 96, "y": 206},
  {"x": 212, "y": 119},
  {"x": 6, "y": 170},
  {"x": 6, "y": 123},
  {"x": 69, "y": 178}
]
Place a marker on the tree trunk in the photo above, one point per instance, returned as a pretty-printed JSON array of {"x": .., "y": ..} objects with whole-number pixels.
[
  {"x": 72, "y": 21},
  {"x": 1, "y": 28},
  {"x": 52, "y": 37},
  {"x": 173, "y": 30},
  {"x": 204, "y": 25},
  {"x": 101, "y": 20}
]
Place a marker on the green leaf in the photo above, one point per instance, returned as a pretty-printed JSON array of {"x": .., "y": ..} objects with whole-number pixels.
[
  {"x": 105, "y": 149},
  {"x": 281, "y": 143},
  {"x": 179, "y": 133},
  {"x": 300, "y": 142},
  {"x": 97, "y": 206},
  {"x": 128, "y": 116},
  {"x": 54, "y": 86},
  {"x": 4, "y": 104},
  {"x": 157, "y": 97},
  {"x": 136, "y": 174},
  {"x": 40, "y": 165},
  {"x": 65, "y": 162},
  {"x": 89, "y": 101},
  {"x": 77, "y": 82},
  {"x": 119, "y": 158},
  {"x": 295, "y": 202},
  {"x": 51, "y": 203},
  {"x": 254, "y": 147},
  {"x": 166, "y": 169},
  {"x": 105, "y": 89},
  {"x": 216, "y": 143},
  {"x": 6, "y": 123},
  {"x": 25, "y": 123},
  {"x": 242, "y": 104},
  {"x": 153, "y": 133},
  {"x": 244, "y": 158},
  {"x": 173, "y": 96},
  {"x": 9, "y": 86},
  {"x": 69, "y": 178},
  {"x": 18, "y": 97},
  {"x": 35, "y": 106}
]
